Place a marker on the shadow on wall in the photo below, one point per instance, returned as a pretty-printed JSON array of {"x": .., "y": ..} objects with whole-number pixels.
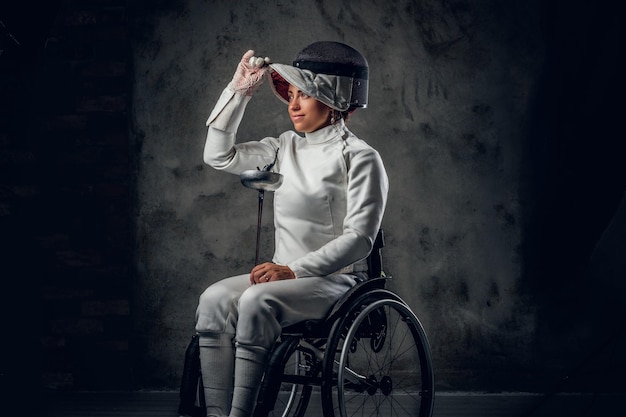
[
  {"x": 602, "y": 312},
  {"x": 577, "y": 238}
]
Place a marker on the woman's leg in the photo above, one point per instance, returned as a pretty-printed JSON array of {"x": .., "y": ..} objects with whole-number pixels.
[
  {"x": 216, "y": 320},
  {"x": 263, "y": 310},
  {"x": 216, "y": 364},
  {"x": 249, "y": 367}
]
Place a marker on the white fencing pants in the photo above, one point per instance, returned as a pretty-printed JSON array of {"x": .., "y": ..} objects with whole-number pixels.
[
  {"x": 218, "y": 352},
  {"x": 255, "y": 315}
]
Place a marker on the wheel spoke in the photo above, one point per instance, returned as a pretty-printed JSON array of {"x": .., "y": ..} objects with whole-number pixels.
[{"x": 397, "y": 364}]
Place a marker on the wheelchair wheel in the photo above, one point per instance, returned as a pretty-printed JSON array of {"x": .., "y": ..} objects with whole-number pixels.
[
  {"x": 378, "y": 362},
  {"x": 295, "y": 390}
]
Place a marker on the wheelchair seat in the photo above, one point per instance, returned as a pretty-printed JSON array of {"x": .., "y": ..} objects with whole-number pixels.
[{"x": 319, "y": 328}]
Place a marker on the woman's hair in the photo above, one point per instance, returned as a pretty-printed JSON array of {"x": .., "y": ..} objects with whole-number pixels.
[{"x": 345, "y": 115}]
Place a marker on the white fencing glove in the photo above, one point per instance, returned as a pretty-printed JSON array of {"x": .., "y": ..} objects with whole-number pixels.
[{"x": 250, "y": 74}]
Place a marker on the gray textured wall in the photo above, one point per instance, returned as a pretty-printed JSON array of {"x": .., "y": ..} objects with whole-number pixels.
[{"x": 453, "y": 87}]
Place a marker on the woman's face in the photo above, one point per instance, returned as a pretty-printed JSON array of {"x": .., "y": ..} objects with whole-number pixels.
[{"x": 307, "y": 114}]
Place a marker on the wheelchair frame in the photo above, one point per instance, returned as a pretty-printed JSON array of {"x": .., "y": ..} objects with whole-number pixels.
[{"x": 333, "y": 354}]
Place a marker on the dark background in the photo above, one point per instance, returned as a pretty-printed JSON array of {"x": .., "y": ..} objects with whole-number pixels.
[{"x": 67, "y": 176}]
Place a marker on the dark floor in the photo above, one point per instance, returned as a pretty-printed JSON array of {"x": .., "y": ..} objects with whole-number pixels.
[{"x": 164, "y": 404}]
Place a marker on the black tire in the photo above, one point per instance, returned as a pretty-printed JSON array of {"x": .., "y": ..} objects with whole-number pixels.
[{"x": 378, "y": 361}]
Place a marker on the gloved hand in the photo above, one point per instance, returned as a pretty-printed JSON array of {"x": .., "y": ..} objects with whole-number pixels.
[{"x": 250, "y": 74}]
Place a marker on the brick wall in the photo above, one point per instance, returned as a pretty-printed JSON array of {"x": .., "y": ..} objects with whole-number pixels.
[{"x": 65, "y": 195}]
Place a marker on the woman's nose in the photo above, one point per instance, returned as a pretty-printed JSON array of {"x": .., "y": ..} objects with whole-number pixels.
[{"x": 294, "y": 103}]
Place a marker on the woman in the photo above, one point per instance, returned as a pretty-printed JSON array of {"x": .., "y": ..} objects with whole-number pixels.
[{"x": 327, "y": 213}]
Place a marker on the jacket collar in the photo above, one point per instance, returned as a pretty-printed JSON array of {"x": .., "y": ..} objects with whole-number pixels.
[{"x": 327, "y": 133}]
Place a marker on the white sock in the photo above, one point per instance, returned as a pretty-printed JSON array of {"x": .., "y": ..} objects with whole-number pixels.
[
  {"x": 217, "y": 361},
  {"x": 249, "y": 368}
]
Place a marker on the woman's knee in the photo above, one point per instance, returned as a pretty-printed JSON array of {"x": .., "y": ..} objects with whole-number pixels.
[
  {"x": 213, "y": 294},
  {"x": 259, "y": 318},
  {"x": 216, "y": 309},
  {"x": 254, "y": 300}
]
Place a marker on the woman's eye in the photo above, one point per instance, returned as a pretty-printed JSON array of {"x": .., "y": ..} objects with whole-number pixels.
[{"x": 299, "y": 95}]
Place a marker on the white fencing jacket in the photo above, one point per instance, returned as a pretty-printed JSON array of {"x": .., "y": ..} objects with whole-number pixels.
[{"x": 334, "y": 192}]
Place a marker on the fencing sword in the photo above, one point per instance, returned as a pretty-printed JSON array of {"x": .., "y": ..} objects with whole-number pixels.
[{"x": 261, "y": 180}]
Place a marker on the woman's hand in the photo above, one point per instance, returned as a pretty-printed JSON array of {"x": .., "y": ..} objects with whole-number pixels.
[
  {"x": 268, "y": 272},
  {"x": 250, "y": 73}
]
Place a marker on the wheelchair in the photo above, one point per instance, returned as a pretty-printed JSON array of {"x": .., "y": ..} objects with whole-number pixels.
[{"x": 369, "y": 357}]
